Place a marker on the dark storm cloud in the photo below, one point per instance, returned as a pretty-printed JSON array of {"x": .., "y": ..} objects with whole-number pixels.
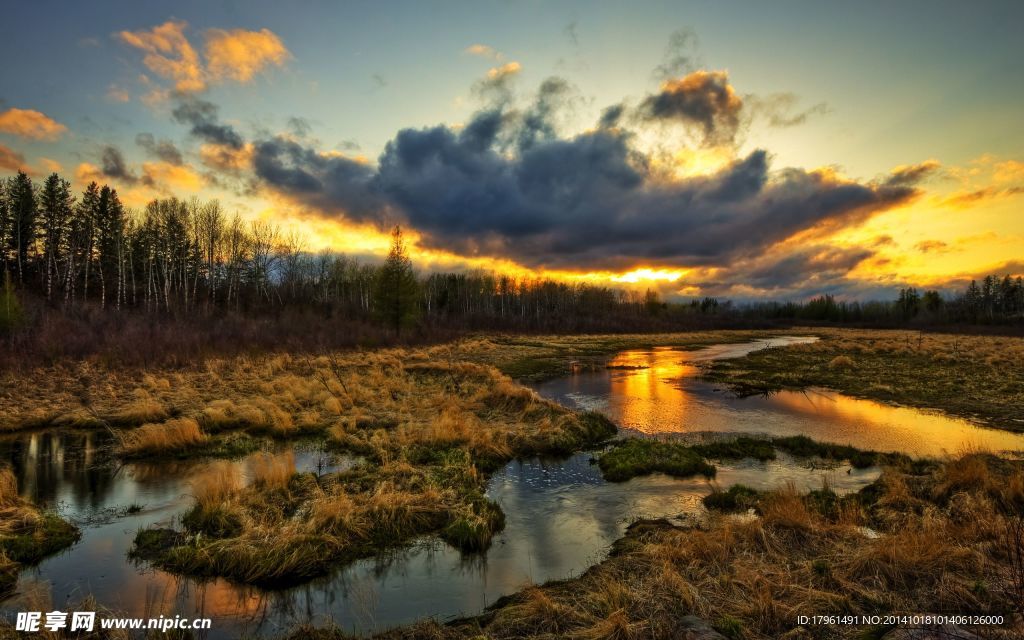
[
  {"x": 329, "y": 182},
  {"x": 913, "y": 174},
  {"x": 703, "y": 98},
  {"x": 585, "y": 202},
  {"x": 538, "y": 120},
  {"x": 162, "y": 149},
  {"x": 202, "y": 118},
  {"x": 611, "y": 116},
  {"x": 113, "y": 165},
  {"x": 508, "y": 184},
  {"x": 797, "y": 268}
]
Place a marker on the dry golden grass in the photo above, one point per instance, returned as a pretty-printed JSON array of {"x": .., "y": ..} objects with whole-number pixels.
[
  {"x": 216, "y": 485},
  {"x": 270, "y": 471},
  {"x": 426, "y": 431},
  {"x": 751, "y": 578},
  {"x": 177, "y": 434},
  {"x": 976, "y": 377},
  {"x": 16, "y": 513},
  {"x": 281, "y": 394},
  {"x": 27, "y": 535}
]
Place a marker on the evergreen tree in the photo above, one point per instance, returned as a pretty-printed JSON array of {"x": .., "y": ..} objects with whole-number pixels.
[
  {"x": 396, "y": 292},
  {"x": 56, "y": 207},
  {"x": 85, "y": 232},
  {"x": 22, "y": 213}
]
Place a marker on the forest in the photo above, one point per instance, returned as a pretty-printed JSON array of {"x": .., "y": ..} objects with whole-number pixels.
[{"x": 85, "y": 274}]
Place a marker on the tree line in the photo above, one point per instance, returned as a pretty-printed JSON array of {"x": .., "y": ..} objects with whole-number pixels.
[
  {"x": 185, "y": 257},
  {"x": 189, "y": 258}
]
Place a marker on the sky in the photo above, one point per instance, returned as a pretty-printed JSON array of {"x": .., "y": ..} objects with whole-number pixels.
[{"x": 744, "y": 150}]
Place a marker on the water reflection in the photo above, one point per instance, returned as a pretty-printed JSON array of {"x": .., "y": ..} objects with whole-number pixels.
[
  {"x": 561, "y": 516},
  {"x": 656, "y": 392}
]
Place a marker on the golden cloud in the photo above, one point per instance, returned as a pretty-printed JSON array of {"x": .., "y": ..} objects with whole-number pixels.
[
  {"x": 225, "y": 158},
  {"x": 11, "y": 160},
  {"x": 169, "y": 54},
  {"x": 968, "y": 199},
  {"x": 29, "y": 123},
  {"x": 484, "y": 51},
  {"x": 88, "y": 172},
  {"x": 239, "y": 54},
  {"x": 505, "y": 70},
  {"x": 1009, "y": 171},
  {"x": 170, "y": 177}
]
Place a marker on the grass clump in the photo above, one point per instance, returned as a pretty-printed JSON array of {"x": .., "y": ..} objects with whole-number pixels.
[
  {"x": 176, "y": 435},
  {"x": 27, "y": 534},
  {"x": 736, "y": 498},
  {"x": 738, "y": 448},
  {"x": 636, "y": 457},
  {"x": 806, "y": 447}
]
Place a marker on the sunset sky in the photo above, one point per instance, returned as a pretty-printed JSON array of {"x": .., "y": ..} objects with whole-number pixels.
[{"x": 754, "y": 150}]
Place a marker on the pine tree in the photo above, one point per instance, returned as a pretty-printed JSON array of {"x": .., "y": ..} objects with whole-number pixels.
[
  {"x": 22, "y": 213},
  {"x": 56, "y": 207},
  {"x": 396, "y": 292}
]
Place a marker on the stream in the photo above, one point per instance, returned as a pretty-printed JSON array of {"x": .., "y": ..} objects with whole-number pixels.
[{"x": 561, "y": 516}]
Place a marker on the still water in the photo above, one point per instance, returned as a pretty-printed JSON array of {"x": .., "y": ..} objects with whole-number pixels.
[
  {"x": 560, "y": 515},
  {"x": 657, "y": 392}
]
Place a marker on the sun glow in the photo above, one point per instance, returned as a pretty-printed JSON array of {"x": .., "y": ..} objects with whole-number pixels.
[{"x": 646, "y": 274}]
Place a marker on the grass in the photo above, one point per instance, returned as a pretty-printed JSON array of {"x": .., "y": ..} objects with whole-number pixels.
[
  {"x": 27, "y": 535},
  {"x": 429, "y": 433},
  {"x": 752, "y": 578},
  {"x": 175, "y": 435},
  {"x": 736, "y": 498},
  {"x": 635, "y": 457},
  {"x": 974, "y": 377}
]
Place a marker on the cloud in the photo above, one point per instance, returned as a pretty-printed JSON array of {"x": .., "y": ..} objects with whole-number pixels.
[
  {"x": 29, "y": 123},
  {"x": 113, "y": 166},
  {"x": 504, "y": 71},
  {"x": 1009, "y": 171},
  {"x": 169, "y": 54},
  {"x": 815, "y": 267},
  {"x": 323, "y": 180},
  {"x": 163, "y": 149},
  {"x": 484, "y": 51},
  {"x": 239, "y": 54},
  {"x": 968, "y": 199},
  {"x": 909, "y": 174},
  {"x": 117, "y": 94},
  {"x": 87, "y": 172},
  {"x": 590, "y": 201},
  {"x": 496, "y": 86},
  {"x": 537, "y": 124},
  {"x": 171, "y": 178},
  {"x": 225, "y": 158},
  {"x": 781, "y": 109},
  {"x": 11, "y": 160},
  {"x": 932, "y": 246},
  {"x": 202, "y": 117},
  {"x": 680, "y": 56},
  {"x": 704, "y": 99},
  {"x": 235, "y": 54}
]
